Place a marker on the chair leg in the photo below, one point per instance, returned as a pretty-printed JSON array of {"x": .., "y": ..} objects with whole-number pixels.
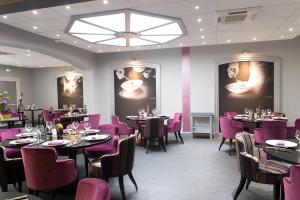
[
  {"x": 276, "y": 191},
  {"x": 4, "y": 187},
  {"x": 175, "y": 133},
  {"x": 282, "y": 196},
  {"x": 166, "y": 136},
  {"x": 121, "y": 184},
  {"x": 161, "y": 140},
  {"x": 133, "y": 181},
  {"x": 148, "y": 143},
  {"x": 179, "y": 134},
  {"x": 230, "y": 146},
  {"x": 240, "y": 187},
  {"x": 223, "y": 140},
  {"x": 86, "y": 165},
  {"x": 248, "y": 183},
  {"x": 30, "y": 191},
  {"x": 20, "y": 186}
]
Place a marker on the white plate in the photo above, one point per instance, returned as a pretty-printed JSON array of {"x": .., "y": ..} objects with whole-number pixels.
[
  {"x": 281, "y": 143},
  {"x": 283, "y": 118},
  {"x": 67, "y": 130},
  {"x": 54, "y": 143},
  {"x": 25, "y": 135},
  {"x": 23, "y": 141},
  {"x": 90, "y": 131},
  {"x": 95, "y": 137}
]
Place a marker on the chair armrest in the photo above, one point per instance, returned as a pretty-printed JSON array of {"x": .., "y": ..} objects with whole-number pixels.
[
  {"x": 116, "y": 139},
  {"x": 287, "y": 180},
  {"x": 110, "y": 165},
  {"x": 66, "y": 169},
  {"x": 170, "y": 121},
  {"x": 247, "y": 155}
]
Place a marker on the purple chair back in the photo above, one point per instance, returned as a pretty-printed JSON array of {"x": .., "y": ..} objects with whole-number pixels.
[
  {"x": 92, "y": 189},
  {"x": 47, "y": 116},
  {"x": 154, "y": 128},
  {"x": 9, "y": 133},
  {"x": 124, "y": 129},
  {"x": 230, "y": 114},
  {"x": 291, "y": 130},
  {"x": 44, "y": 172},
  {"x": 270, "y": 130},
  {"x": 292, "y": 184},
  {"x": 113, "y": 130},
  {"x": 178, "y": 120},
  {"x": 229, "y": 127},
  {"x": 95, "y": 121}
]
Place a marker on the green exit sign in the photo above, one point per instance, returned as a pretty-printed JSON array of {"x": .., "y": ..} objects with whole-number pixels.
[{"x": 7, "y": 70}]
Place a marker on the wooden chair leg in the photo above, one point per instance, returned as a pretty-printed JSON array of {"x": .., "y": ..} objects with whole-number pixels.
[
  {"x": 179, "y": 134},
  {"x": 240, "y": 187},
  {"x": 86, "y": 165},
  {"x": 223, "y": 140},
  {"x": 248, "y": 183},
  {"x": 133, "y": 181},
  {"x": 121, "y": 184},
  {"x": 276, "y": 191}
]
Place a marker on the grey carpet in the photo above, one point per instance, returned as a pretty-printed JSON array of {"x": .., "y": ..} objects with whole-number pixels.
[{"x": 195, "y": 170}]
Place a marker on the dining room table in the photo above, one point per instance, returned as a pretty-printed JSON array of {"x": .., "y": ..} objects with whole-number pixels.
[
  {"x": 17, "y": 196},
  {"x": 11, "y": 121},
  {"x": 69, "y": 143},
  {"x": 289, "y": 155}
]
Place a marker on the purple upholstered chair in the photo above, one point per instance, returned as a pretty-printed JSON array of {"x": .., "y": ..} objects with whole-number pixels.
[
  {"x": 270, "y": 130},
  {"x": 230, "y": 114},
  {"x": 292, "y": 184},
  {"x": 94, "y": 120},
  {"x": 92, "y": 189},
  {"x": 43, "y": 172},
  {"x": 102, "y": 149},
  {"x": 7, "y": 134},
  {"x": 229, "y": 128},
  {"x": 124, "y": 129},
  {"x": 291, "y": 130},
  {"x": 174, "y": 126},
  {"x": 154, "y": 129}
]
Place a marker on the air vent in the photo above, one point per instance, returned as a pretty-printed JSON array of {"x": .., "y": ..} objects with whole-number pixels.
[
  {"x": 2, "y": 53},
  {"x": 237, "y": 15}
]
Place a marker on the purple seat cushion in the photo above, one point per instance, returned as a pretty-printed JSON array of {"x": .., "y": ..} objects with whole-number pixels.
[
  {"x": 12, "y": 153},
  {"x": 98, "y": 150}
]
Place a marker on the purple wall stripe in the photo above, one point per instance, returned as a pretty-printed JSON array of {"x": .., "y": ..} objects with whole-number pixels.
[{"x": 186, "y": 99}]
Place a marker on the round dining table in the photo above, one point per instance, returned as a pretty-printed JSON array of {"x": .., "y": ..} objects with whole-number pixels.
[
  {"x": 76, "y": 142},
  {"x": 289, "y": 155},
  {"x": 17, "y": 196}
]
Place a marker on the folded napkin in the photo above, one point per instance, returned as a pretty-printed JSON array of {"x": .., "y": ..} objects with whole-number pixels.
[
  {"x": 22, "y": 141},
  {"x": 55, "y": 142}
]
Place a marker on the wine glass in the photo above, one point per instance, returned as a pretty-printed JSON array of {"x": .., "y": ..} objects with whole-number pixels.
[
  {"x": 49, "y": 125},
  {"x": 87, "y": 125},
  {"x": 263, "y": 113},
  {"x": 269, "y": 112},
  {"x": 80, "y": 110},
  {"x": 28, "y": 127},
  {"x": 154, "y": 111},
  {"x": 40, "y": 129},
  {"x": 257, "y": 110},
  {"x": 250, "y": 112},
  {"x": 75, "y": 125},
  {"x": 297, "y": 135},
  {"x": 246, "y": 111}
]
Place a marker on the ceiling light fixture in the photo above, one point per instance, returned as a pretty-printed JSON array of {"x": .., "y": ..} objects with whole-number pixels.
[
  {"x": 89, "y": 46},
  {"x": 57, "y": 35},
  {"x": 254, "y": 38},
  {"x": 201, "y": 29},
  {"x": 199, "y": 20},
  {"x": 105, "y": 1},
  {"x": 180, "y": 44},
  {"x": 228, "y": 41},
  {"x": 35, "y": 27},
  {"x": 282, "y": 36},
  {"x": 203, "y": 43},
  {"x": 291, "y": 29},
  {"x": 35, "y": 12},
  {"x": 28, "y": 50},
  {"x": 130, "y": 28},
  {"x": 75, "y": 42},
  {"x": 68, "y": 7},
  {"x": 4, "y": 17},
  {"x": 100, "y": 50},
  {"x": 202, "y": 36},
  {"x": 197, "y": 7}
]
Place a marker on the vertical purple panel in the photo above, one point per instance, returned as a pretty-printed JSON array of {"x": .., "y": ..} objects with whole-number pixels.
[{"x": 186, "y": 102}]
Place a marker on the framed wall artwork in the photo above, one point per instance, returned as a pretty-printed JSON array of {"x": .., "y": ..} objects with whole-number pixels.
[
  {"x": 247, "y": 82},
  {"x": 136, "y": 87}
]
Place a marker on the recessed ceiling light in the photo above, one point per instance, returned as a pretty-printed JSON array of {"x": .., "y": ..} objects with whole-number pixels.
[
  {"x": 282, "y": 36},
  {"x": 89, "y": 46},
  {"x": 254, "y": 38},
  {"x": 55, "y": 60},
  {"x": 100, "y": 50},
  {"x": 18, "y": 63},
  {"x": 41, "y": 66},
  {"x": 138, "y": 48},
  {"x": 105, "y": 1},
  {"x": 291, "y": 29},
  {"x": 158, "y": 46},
  {"x": 35, "y": 27},
  {"x": 197, "y": 7},
  {"x": 75, "y": 41},
  {"x": 28, "y": 50},
  {"x": 203, "y": 42},
  {"x": 199, "y": 20},
  {"x": 4, "y": 16},
  {"x": 35, "y": 12},
  {"x": 29, "y": 55},
  {"x": 201, "y": 29},
  {"x": 180, "y": 44},
  {"x": 68, "y": 7},
  {"x": 119, "y": 49},
  {"x": 228, "y": 41},
  {"x": 57, "y": 35},
  {"x": 202, "y": 36}
]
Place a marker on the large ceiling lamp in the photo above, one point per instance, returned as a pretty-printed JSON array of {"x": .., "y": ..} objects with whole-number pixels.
[{"x": 126, "y": 27}]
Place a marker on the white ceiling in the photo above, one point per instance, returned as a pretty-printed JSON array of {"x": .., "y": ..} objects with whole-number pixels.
[
  {"x": 28, "y": 58},
  {"x": 272, "y": 22}
]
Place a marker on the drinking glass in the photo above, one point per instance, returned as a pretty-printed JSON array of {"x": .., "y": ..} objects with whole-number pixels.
[
  {"x": 297, "y": 135},
  {"x": 257, "y": 110},
  {"x": 80, "y": 110},
  {"x": 40, "y": 129},
  {"x": 269, "y": 112},
  {"x": 154, "y": 111},
  {"x": 75, "y": 125},
  {"x": 250, "y": 112},
  {"x": 87, "y": 126},
  {"x": 49, "y": 125},
  {"x": 65, "y": 107},
  {"x": 28, "y": 127},
  {"x": 263, "y": 113},
  {"x": 246, "y": 111}
]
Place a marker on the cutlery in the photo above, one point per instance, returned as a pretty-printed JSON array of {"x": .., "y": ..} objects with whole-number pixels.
[
  {"x": 35, "y": 143},
  {"x": 19, "y": 198},
  {"x": 279, "y": 149}
]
